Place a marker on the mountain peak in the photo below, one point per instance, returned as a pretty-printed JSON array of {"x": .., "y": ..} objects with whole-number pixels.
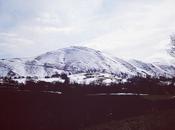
[
  {"x": 82, "y": 61},
  {"x": 79, "y": 47},
  {"x": 83, "y": 48}
]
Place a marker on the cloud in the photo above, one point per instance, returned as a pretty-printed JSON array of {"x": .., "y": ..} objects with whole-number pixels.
[{"x": 128, "y": 29}]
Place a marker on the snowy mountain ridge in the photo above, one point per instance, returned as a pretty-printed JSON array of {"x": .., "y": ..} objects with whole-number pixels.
[{"x": 82, "y": 64}]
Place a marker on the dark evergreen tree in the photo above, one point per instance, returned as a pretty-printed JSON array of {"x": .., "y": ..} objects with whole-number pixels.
[{"x": 65, "y": 77}]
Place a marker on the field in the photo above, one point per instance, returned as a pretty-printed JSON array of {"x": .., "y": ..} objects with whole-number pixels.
[
  {"x": 160, "y": 120},
  {"x": 54, "y": 111}
]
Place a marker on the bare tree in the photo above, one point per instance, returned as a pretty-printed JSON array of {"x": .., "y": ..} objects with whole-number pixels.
[{"x": 171, "y": 51}]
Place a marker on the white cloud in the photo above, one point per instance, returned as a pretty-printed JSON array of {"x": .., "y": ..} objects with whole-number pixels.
[{"x": 129, "y": 29}]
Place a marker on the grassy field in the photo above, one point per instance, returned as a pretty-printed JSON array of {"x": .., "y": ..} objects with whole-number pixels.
[
  {"x": 158, "y": 97},
  {"x": 28, "y": 110},
  {"x": 160, "y": 120}
]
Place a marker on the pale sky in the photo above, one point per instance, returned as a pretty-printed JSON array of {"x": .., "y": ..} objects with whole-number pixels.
[{"x": 137, "y": 29}]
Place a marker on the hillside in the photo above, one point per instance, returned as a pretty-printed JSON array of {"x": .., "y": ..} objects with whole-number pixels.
[{"x": 82, "y": 65}]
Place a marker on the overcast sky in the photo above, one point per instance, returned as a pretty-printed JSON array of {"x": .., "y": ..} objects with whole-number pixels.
[{"x": 125, "y": 28}]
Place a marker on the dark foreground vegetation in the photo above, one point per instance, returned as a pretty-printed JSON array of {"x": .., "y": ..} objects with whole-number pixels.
[
  {"x": 38, "y": 106},
  {"x": 25, "y": 110},
  {"x": 137, "y": 85},
  {"x": 160, "y": 120}
]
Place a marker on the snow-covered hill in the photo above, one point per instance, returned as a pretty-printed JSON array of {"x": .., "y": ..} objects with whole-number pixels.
[{"x": 83, "y": 65}]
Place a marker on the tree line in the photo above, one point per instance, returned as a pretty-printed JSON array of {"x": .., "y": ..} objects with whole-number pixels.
[{"x": 137, "y": 85}]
